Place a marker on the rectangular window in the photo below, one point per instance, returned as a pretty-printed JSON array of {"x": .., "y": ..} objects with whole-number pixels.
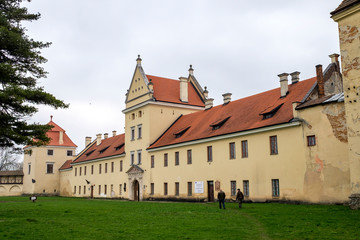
[
  {"x": 112, "y": 166},
  {"x": 99, "y": 189},
  {"x": 74, "y": 189},
  {"x": 69, "y": 153},
  {"x": 75, "y": 172},
  {"x": 120, "y": 189},
  {"x": 189, "y": 186},
  {"x": 100, "y": 168},
  {"x": 29, "y": 169},
  {"x": 275, "y": 188},
  {"x": 246, "y": 188},
  {"x": 132, "y": 133},
  {"x": 84, "y": 189},
  {"x": 165, "y": 189},
  {"x": 177, "y": 186},
  {"x": 105, "y": 189},
  {"x": 244, "y": 149},
  {"x": 92, "y": 169},
  {"x": 139, "y": 131},
  {"x": 273, "y": 145},
  {"x": 189, "y": 156},
  {"x": 232, "y": 150},
  {"x": 311, "y": 141},
  {"x": 50, "y": 152},
  {"x": 152, "y": 189},
  {"x": 121, "y": 165},
  {"x": 85, "y": 170},
  {"x": 80, "y": 171},
  {"x": 79, "y": 189},
  {"x": 105, "y": 167},
  {"x": 152, "y": 161},
  {"x": 139, "y": 156},
  {"x": 165, "y": 159},
  {"x": 209, "y": 154},
  {"x": 176, "y": 158},
  {"x": 233, "y": 188},
  {"x": 132, "y": 158},
  {"x": 112, "y": 188}
]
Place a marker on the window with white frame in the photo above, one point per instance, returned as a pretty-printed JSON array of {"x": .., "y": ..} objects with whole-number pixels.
[
  {"x": 233, "y": 188},
  {"x": 132, "y": 157},
  {"x": 139, "y": 128},
  {"x": 132, "y": 129},
  {"x": 246, "y": 188},
  {"x": 49, "y": 167},
  {"x": 275, "y": 187},
  {"x": 139, "y": 156}
]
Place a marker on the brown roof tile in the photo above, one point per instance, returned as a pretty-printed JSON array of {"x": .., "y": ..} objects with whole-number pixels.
[
  {"x": 168, "y": 90},
  {"x": 345, "y": 5},
  {"x": 12, "y": 173},
  {"x": 111, "y": 146},
  {"x": 244, "y": 114},
  {"x": 66, "y": 165}
]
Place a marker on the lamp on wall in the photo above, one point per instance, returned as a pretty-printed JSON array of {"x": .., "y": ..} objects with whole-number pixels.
[{"x": 87, "y": 182}]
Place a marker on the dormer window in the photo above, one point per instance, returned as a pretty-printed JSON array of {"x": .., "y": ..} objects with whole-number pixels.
[
  {"x": 181, "y": 132},
  {"x": 270, "y": 113},
  {"x": 218, "y": 124},
  {"x": 119, "y": 147},
  {"x": 89, "y": 153},
  {"x": 104, "y": 149}
]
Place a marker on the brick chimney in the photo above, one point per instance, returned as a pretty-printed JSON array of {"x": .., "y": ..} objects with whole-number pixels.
[
  {"x": 98, "y": 139},
  {"x": 114, "y": 133},
  {"x": 334, "y": 58},
  {"x": 227, "y": 97},
  {"x": 209, "y": 102},
  {"x": 295, "y": 77},
  {"x": 284, "y": 88},
  {"x": 87, "y": 141},
  {"x": 320, "y": 81},
  {"x": 183, "y": 89}
]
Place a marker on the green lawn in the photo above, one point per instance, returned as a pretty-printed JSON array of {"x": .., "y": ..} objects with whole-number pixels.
[{"x": 70, "y": 218}]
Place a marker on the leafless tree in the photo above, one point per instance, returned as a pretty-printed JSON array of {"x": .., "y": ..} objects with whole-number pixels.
[{"x": 9, "y": 160}]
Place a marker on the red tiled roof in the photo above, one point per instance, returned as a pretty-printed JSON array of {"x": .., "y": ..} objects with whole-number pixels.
[
  {"x": 12, "y": 173},
  {"x": 66, "y": 165},
  {"x": 108, "y": 147},
  {"x": 54, "y": 134},
  {"x": 244, "y": 115},
  {"x": 168, "y": 90},
  {"x": 344, "y": 5}
]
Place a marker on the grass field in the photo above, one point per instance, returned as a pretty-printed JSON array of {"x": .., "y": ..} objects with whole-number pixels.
[{"x": 70, "y": 218}]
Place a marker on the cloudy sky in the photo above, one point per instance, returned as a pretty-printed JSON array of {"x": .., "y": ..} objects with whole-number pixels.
[{"x": 234, "y": 46}]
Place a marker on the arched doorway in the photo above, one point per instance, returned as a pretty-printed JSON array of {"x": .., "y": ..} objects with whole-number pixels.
[{"x": 136, "y": 191}]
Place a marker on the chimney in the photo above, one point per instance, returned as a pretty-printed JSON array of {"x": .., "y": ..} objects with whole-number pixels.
[
  {"x": 87, "y": 141},
  {"x": 295, "y": 77},
  {"x": 183, "y": 89},
  {"x": 206, "y": 93},
  {"x": 209, "y": 103},
  {"x": 227, "y": 97},
  {"x": 114, "y": 133},
  {"x": 191, "y": 70},
  {"x": 106, "y": 135},
  {"x": 320, "y": 81},
  {"x": 284, "y": 88},
  {"x": 61, "y": 137},
  {"x": 138, "y": 60},
  {"x": 98, "y": 139},
  {"x": 334, "y": 58}
]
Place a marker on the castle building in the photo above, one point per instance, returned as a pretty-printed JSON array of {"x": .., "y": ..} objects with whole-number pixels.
[{"x": 298, "y": 142}]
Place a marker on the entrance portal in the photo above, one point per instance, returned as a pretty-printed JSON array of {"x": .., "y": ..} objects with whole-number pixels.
[
  {"x": 210, "y": 191},
  {"x": 136, "y": 191}
]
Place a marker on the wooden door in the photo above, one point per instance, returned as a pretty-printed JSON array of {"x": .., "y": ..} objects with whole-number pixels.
[
  {"x": 136, "y": 191},
  {"x": 210, "y": 191}
]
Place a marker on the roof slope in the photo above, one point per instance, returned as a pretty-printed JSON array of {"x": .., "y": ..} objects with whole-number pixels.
[
  {"x": 54, "y": 134},
  {"x": 12, "y": 173},
  {"x": 243, "y": 114},
  {"x": 66, "y": 165},
  {"x": 108, "y": 147},
  {"x": 168, "y": 90},
  {"x": 344, "y": 5}
]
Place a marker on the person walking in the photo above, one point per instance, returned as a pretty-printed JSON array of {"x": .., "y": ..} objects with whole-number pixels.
[
  {"x": 239, "y": 197},
  {"x": 221, "y": 198}
]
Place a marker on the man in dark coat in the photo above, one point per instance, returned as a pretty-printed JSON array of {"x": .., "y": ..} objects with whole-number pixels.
[
  {"x": 239, "y": 197},
  {"x": 221, "y": 198}
]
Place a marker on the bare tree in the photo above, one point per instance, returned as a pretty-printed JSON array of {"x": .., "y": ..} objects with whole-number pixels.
[{"x": 8, "y": 160}]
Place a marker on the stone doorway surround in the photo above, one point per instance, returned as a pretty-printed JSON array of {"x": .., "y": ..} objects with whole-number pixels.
[{"x": 135, "y": 173}]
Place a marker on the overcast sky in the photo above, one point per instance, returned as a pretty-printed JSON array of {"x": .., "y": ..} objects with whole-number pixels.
[{"x": 234, "y": 46}]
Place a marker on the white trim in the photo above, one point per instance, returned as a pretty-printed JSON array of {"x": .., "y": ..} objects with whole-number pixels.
[
  {"x": 98, "y": 159},
  {"x": 178, "y": 105},
  {"x": 238, "y": 134},
  {"x": 50, "y": 146},
  {"x": 64, "y": 170}
]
